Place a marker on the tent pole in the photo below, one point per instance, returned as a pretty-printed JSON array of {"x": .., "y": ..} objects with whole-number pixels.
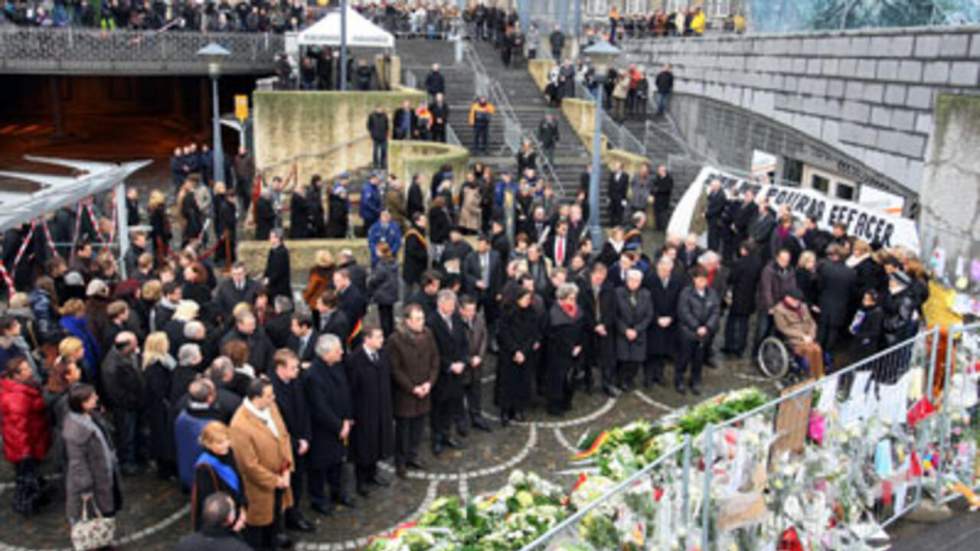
[
  {"x": 122, "y": 223},
  {"x": 343, "y": 45}
]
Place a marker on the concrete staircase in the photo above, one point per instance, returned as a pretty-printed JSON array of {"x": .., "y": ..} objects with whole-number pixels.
[{"x": 530, "y": 107}]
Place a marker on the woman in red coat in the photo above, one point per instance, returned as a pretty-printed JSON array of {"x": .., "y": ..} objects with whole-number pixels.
[{"x": 26, "y": 435}]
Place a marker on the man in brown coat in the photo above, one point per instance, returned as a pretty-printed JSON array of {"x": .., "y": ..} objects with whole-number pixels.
[
  {"x": 414, "y": 360},
  {"x": 264, "y": 455},
  {"x": 792, "y": 318}
]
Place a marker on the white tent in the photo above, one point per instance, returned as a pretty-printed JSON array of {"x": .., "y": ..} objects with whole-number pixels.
[{"x": 361, "y": 33}]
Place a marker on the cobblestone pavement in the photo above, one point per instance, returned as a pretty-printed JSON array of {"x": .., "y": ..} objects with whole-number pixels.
[{"x": 155, "y": 512}]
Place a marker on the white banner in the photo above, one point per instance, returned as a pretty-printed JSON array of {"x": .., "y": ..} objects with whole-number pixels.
[{"x": 862, "y": 222}]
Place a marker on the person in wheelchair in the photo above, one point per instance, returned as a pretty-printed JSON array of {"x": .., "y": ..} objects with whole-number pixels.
[{"x": 793, "y": 321}]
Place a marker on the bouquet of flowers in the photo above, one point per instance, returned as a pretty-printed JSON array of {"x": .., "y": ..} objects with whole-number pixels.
[{"x": 720, "y": 408}]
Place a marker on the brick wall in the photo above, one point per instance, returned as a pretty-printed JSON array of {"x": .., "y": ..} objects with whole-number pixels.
[{"x": 867, "y": 93}]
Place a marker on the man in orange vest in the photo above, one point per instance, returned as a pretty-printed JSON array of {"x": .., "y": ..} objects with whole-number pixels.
[{"x": 480, "y": 112}]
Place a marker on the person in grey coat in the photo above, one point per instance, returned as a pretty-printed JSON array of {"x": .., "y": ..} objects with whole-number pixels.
[
  {"x": 383, "y": 286},
  {"x": 642, "y": 183},
  {"x": 93, "y": 472},
  {"x": 698, "y": 310},
  {"x": 634, "y": 313}
]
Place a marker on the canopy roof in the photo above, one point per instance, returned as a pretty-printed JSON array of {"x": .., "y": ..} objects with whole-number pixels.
[
  {"x": 361, "y": 33},
  {"x": 57, "y": 191}
]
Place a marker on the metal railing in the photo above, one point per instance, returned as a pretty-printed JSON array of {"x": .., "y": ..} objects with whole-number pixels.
[
  {"x": 618, "y": 135},
  {"x": 37, "y": 50},
  {"x": 451, "y": 137},
  {"x": 863, "y": 445}
]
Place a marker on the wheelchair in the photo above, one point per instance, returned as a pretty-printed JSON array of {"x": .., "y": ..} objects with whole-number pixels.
[{"x": 777, "y": 361}]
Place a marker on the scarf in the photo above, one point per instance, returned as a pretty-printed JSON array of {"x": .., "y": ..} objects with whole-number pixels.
[
  {"x": 263, "y": 416},
  {"x": 853, "y": 261},
  {"x": 222, "y": 469},
  {"x": 569, "y": 308}
]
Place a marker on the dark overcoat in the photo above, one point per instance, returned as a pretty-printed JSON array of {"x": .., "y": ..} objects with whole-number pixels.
[
  {"x": 663, "y": 340},
  {"x": 564, "y": 333},
  {"x": 414, "y": 360},
  {"x": 328, "y": 397},
  {"x": 373, "y": 435},
  {"x": 632, "y": 314},
  {"x": 518, "y": 330}
]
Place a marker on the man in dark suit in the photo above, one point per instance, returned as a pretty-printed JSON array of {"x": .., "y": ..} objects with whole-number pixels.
[
  {"x": 350, "y": 300},
  {"x": 560, "y": 248},
  {"x": 748, "y": 211},
  {"x": 426, "y": 296},
  {"x": 634, "y": 314},
  {"x": 260, "y": 349},
  {"x": 619, "y": 182},
  {"x": 665, "y": 288},
  {"x": 837, "y": 285},
  {"x": 357, "y": 273},
  {"x": 403, "y": 121},
  {"x": 698, "y": 312},
  {"x": 239, "y": 288},
  {"x": 373, "y": 435},
  {"x": 483, "y": 276},
  {"x": 291, "y": 401},
  {"x": 477, "y": 339},
  {"x": 277, "y": 273},
  {"x": 302, "y": 338},
  {"x": 597, "y": 298},
  {"x": 447, "y": 395},
  {"x": 277, "y": 326},
  {"x": 332, "y": 320},
  {"x": 331, "y": 421},
  {"x": 713, "y": 214}
]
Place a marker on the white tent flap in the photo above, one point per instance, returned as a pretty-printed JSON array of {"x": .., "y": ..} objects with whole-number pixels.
[{"x": 361, "y": 33}]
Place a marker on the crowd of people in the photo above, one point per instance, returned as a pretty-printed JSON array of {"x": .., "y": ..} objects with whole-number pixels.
[{"x": 255, "y": 16}]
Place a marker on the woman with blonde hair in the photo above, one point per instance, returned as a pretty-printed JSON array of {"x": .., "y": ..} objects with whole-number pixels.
[
  {"x": 73, "y": 321},
  {"x": 321, "y": 277},
  {"x": 216, "y": 471},
  {"x": 806, "y": 277},
  {"x": 160, "y": 230},
  {"x": 158, "y": 370}
]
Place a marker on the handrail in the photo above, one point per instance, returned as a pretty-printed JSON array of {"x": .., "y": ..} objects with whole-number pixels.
[
  {"x": 505, "y": 110},
  {"x": 618, "y": 134}
]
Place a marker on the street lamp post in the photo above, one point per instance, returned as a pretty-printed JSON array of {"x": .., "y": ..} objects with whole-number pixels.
[
  {"x": 214, "y": 53},
  {"x": 343, "y": 45},
  {"x": 602, "y": 55}
]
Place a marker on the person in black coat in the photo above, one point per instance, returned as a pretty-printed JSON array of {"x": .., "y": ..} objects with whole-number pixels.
[
  {"x": 302, "y": 338},
  {"x": 234, "y": 290},
  {"x": 191, "y": 213},
  {"x": 225, "y": 224},
  {"x": 435, "y": 83},
  {"x": 331, "y": 420},
  {"x": 447, "y": 395},
  {"x": 314, "y": 200},
  {"x": 373, "y": 435},
  {"x": 260, "y": 349},
  {"x": 339, "y": 206},
  {"x": 597, "y": 298},
  {"x": 440, "y": 118},
  {"x": 351, "y": 302},
  {"x": 219, "y": 525},
  {"x": 565, "y": 335},
  {"x": 377, "y": 127},
  {"x": 440, "y": 223},
  {"x": 836, "y": 285},
  {"x": 663, "y": 188},
  {"x": 158, "y": 374},
  {"x": 299, "y": 215},
  {"x": 745, "y": 217},
  {"x": 383, "y": 287},
  {"x": 867, "y": 327},
  {"x": 265, "y": 216},
  {"x": 403, "y": 121},
  {"x": 713, "y": 214},
  {"x": 483, "y": 275},
  {"x": 619, "y": 182},
  {"x": 743, "y": 281},
  {"x": 277, "y": 272},
  {"x": 415, "y": 259},
  {"x": 698, "y": 311},
  {"x": 415, "y": 203},
  {"x": 356, "y": 272},
  {"x": 519, "y": 338},
  {"x": 330, "y": 318},
  {"x": 291, "y": 400},
  {"x": 665, "y": 289}
]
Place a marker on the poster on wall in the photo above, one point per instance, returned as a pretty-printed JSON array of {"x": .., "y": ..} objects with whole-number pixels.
[{"x": 864, "y": 223}]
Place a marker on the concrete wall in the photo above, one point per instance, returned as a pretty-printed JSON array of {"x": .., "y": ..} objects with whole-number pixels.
[
  {"x": 951, "y": 221},
  {"x": 409, "y": 157},
  {"x": 308, "y": 127},
  {"x": 868, "y": 93}
]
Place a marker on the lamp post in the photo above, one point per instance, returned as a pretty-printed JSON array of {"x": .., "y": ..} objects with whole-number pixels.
[
  {"x": 602, "y": 55},
  {"x": 343, "y": 45},
  {"x": 213, "y": 53}
]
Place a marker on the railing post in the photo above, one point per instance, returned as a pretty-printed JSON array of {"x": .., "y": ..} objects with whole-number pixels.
[
  {"x": 686, "y": 490},
  {"x": 709, "y": 458},
  {"x": 944, "y": 412}
]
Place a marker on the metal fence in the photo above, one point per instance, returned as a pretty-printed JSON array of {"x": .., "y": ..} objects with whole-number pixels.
[
  {"x": 959, "y": 422},
  {"x": 33, "y": 49},
  {"x": 863, "y": 446},
  {"x": 629, "y": 503}
]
